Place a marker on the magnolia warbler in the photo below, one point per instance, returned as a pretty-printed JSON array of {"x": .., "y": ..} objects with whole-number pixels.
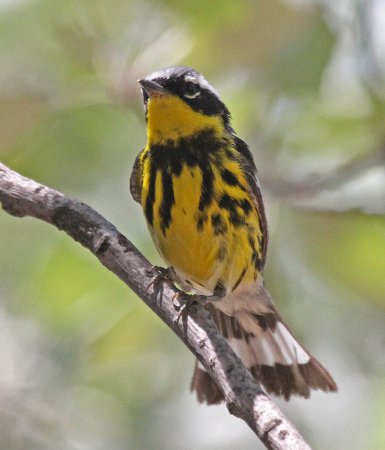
[{"x": 196, "y": 182}]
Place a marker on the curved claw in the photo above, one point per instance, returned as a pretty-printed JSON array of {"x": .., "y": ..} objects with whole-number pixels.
[
  {"x": 189, "y": 300},
  {"x": 162, "y": 275},
  {"x": 184, "y": 304}
]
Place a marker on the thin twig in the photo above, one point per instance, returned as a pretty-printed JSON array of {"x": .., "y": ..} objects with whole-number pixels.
[
  {"x": 21, "y": 197},
  {"x": 314, "y": 184}
]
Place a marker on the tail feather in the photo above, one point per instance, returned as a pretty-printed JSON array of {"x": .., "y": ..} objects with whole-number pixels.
[
  {"x": 205, "y": 387},
  {"x": 271, "y": 353}
]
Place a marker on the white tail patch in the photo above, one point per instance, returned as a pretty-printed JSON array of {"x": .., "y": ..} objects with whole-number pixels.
[
  {"x": 201, "y": 366},
  {"x": 241, "y": 349},
  {"x": 270, "y": 347},
  {"x": 291, "y": 350}
]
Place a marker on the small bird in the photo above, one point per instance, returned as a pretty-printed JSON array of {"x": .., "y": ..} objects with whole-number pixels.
[{"x": 196, "y": 182}]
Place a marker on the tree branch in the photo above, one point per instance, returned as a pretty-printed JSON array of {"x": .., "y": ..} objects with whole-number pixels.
[
  {"x": 314, "y": 184},
  {"x": 21, "y": 197}
]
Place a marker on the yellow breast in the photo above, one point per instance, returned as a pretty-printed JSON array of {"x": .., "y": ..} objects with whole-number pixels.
[
  {"x": 203, "y": 226},
  {"x": 196, "y": 199}
]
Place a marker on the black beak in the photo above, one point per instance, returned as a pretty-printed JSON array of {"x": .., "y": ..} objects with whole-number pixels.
[{"x": 152, "y": 88}]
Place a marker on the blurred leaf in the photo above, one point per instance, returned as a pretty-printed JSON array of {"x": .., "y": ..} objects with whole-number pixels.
[
  {"x": 349, "y": 248},
  {"x": 300, "y": 62},
  {"x": 75, "y": 143}
]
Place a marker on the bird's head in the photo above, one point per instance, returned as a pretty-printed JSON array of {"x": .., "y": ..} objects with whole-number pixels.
[{"x": 180, "y": 102}]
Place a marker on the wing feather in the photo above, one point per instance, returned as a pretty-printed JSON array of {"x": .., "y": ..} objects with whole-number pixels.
[
  {"x": 136, "y": 180},
  {"x": 255, "y": 190}
]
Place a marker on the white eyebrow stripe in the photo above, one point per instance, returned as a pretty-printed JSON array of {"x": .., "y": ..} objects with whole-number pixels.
[
  {"x": 202, "y": 82},
  {"x": 191, "y": 79}
]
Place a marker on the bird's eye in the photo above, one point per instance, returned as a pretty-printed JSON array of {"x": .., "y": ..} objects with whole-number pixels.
[{"x": 191, "y": 90}]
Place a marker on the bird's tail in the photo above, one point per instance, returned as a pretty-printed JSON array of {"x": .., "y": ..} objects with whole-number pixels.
[{"x": 271, "y": 353}]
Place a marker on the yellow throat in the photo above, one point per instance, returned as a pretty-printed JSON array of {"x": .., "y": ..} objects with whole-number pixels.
[{"x": 170, "y": 118}]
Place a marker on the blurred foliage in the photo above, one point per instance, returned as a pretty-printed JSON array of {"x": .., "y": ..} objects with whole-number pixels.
[{"x": 84, "y": 363}]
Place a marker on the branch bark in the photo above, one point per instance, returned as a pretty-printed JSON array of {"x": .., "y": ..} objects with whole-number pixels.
[{"x": 21, "y": 197}]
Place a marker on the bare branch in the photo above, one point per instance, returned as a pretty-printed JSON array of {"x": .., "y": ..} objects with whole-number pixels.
[{"x": 21, "y": 196}]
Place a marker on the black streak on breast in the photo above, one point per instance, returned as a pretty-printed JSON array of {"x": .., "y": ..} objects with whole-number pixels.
[
  {"x": 149, "y": 206},
  {"x": 169, "y": 159},
  {"x": 168, "y": 201}
]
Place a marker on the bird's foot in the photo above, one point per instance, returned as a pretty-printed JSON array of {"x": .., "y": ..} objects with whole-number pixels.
[
  {"x": 185, "y": 301},
  {"x": 161, "y": 275}
]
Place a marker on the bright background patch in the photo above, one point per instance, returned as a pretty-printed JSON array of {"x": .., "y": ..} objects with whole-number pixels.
[{"x": 84, "y": 364}]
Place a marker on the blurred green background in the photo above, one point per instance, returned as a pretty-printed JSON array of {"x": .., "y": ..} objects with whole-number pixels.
[{"x": 83, "y": 363}]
